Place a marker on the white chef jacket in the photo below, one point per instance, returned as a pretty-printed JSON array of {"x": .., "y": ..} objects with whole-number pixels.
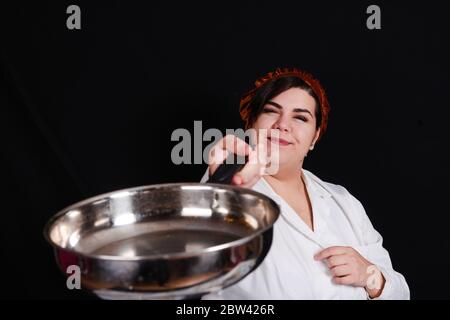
[{"x": 289, "y": 270}]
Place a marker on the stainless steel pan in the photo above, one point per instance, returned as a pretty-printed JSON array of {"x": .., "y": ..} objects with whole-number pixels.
[{"x": 166, "y": 241}]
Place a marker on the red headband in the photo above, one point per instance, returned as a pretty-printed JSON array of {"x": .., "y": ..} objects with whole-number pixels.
[{"x": 315, "y": 85}]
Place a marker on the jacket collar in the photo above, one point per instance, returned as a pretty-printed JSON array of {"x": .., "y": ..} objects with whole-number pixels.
[
  {"x": 315, "y": 184},
  {"x": 319, "y": 196}
]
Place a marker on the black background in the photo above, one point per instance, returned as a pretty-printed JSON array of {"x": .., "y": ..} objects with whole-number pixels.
[{"x": 90, "y": 111}]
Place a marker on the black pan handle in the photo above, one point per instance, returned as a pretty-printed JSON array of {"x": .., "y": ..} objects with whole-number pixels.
[{"x": 225, "y": 172}]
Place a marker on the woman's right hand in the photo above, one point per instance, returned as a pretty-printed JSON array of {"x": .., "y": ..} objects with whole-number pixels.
[{"x": 253, "y": 170}]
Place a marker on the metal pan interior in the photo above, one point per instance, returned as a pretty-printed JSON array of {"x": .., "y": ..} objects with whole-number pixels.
[{"x": 169, "y": 220}]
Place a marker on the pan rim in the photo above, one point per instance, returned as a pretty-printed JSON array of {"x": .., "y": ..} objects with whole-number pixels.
[{"x": 165, "y": 256}]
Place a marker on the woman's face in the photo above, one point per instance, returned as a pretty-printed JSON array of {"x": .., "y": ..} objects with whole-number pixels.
[{"x": 291, "y": 115}]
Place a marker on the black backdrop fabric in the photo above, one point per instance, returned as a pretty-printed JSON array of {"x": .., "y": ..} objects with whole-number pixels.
[{"x": 89, "y": 111}]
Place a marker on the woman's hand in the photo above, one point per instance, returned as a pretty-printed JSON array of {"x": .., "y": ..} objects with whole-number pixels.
[
  {"x": 254, "y": 168},
  {"x": 348, "y": 267}
]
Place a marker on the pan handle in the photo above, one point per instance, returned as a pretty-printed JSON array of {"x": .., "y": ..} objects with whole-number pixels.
[{"x": 225, "y": 172}]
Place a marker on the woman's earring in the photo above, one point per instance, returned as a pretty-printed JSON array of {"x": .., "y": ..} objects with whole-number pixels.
[{"x": 312, "y": 147}]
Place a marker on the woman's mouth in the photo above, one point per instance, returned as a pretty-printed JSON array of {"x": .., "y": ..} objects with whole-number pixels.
[{"x": 279, "y": 141}]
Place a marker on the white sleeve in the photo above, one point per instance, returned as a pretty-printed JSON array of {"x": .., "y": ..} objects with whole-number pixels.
[
  {"x": 205, "y": 176},
  {"x": 372, "y": 249}
]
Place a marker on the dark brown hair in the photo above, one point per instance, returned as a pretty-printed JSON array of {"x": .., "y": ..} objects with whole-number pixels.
[{"x": 273, "y": 88}]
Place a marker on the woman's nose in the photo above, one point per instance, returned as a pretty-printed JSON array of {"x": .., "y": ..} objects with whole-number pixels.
[{"x": 281, "y": 124}]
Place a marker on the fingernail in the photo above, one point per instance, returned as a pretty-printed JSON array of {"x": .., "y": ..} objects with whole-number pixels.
[{"x": 237, "y": 180}]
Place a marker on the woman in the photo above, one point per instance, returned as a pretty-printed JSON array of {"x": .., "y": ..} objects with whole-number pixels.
[{"x": 324, "y": 245}]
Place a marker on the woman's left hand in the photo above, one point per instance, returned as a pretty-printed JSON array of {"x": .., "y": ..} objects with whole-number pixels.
[{"x": 348, "y": 267}]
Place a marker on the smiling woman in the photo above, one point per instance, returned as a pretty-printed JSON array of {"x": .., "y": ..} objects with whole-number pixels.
[{"x": 324, "y": 245}]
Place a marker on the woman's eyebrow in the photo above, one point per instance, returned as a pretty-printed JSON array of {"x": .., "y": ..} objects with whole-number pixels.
[{"x": 295, "y": 110}]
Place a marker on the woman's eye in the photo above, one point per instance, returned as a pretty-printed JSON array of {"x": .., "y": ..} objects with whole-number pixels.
[
  {"x": 269, "y": 110},
  {"x": 302, "y": 119}
]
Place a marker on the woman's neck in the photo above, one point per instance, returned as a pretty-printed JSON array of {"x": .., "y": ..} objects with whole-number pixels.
[{"x": 286, "y": 177}]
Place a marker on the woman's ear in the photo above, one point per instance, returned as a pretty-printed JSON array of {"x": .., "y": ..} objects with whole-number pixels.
[{"x": 316, "y": 136}]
